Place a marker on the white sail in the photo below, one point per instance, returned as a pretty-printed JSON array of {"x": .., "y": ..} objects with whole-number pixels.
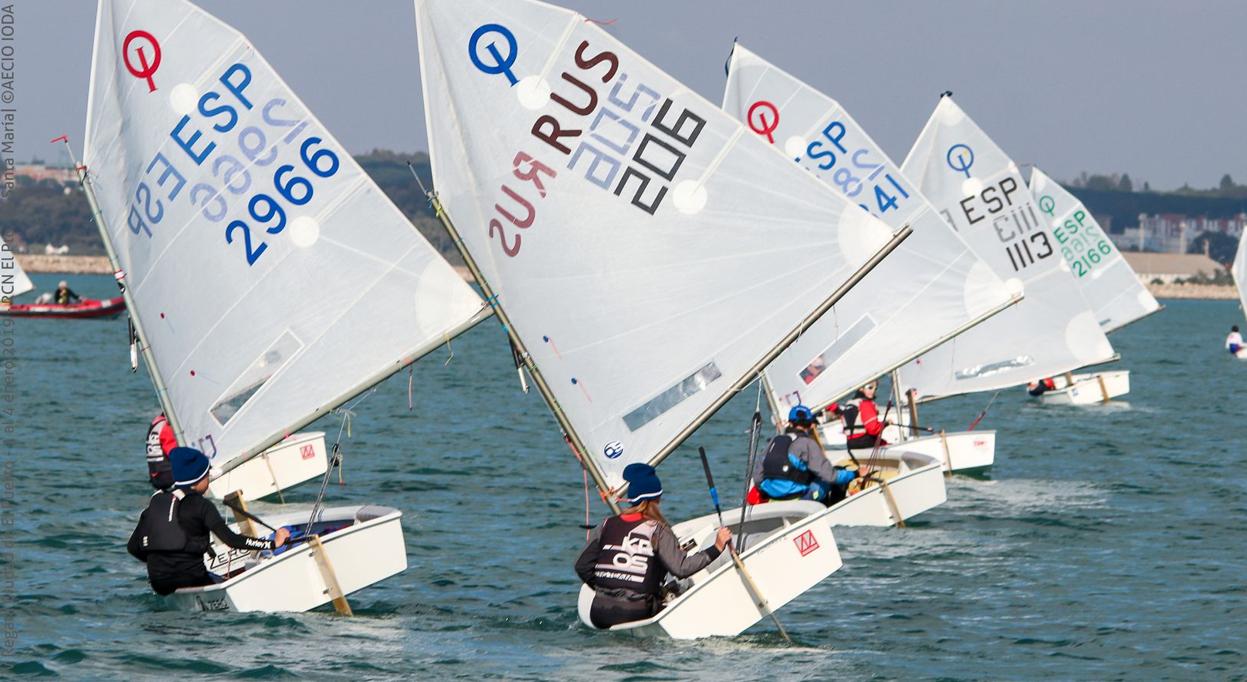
[
  {"x": 1108, "y": 283},
  {"x": 979, "y": 191},
  {"x": 272, "y": 277},
  {"x": 928, "y": 289},
  {"x": 1239, "y": 270},
  {"x": 13, "y": 280},
  {"x": 648, "y": 249}
]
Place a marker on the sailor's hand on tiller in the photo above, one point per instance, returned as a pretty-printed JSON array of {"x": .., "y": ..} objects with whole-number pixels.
[
  {"x": 280, "y": 537},
  {"x": 721, "y": 539}
]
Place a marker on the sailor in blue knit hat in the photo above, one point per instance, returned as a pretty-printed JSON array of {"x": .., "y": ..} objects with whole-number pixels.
[
  {"x": 172, "y": 534},
  {"x": 629, "y": 555}
]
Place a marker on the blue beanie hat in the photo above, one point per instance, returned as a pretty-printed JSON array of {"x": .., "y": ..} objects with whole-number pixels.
[
  {"x": 643, "y": 483},
  {"x": 189, "y": 465}
]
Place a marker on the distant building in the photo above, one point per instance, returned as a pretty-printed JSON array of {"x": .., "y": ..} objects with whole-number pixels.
[
  {"x": 39, "y": 171},
  {"x": 1174, "y": 232},
  {"x": 1169, "y": 267}
]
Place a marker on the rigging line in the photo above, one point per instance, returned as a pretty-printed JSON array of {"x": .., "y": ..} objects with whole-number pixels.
[
  {"x": 335, "y": 455},
  {"x": 755, "y": 427}
]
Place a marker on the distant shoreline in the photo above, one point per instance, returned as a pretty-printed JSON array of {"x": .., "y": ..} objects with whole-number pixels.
[
  {"x": 1215, "y": 292},
  {"x": 98, "y": 265}
]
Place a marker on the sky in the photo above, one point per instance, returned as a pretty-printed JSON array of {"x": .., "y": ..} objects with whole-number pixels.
[{"x": 1151, "y": 88}]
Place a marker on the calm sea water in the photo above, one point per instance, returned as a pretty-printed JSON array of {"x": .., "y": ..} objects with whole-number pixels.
[{"x": 1107, "y": 542}]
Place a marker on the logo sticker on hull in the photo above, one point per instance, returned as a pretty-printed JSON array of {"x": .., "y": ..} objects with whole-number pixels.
[{"x": 806, "y": 542}]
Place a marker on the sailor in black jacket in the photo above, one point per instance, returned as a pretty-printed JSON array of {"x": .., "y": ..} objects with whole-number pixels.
[
  {"x": 628, "y": 555},
  {"x": 172, "y": 534}
]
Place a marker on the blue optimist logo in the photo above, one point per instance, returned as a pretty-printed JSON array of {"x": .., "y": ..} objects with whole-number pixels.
[
  {"x": 960, "y": 158},
  {"x": 613, "y": 450}
]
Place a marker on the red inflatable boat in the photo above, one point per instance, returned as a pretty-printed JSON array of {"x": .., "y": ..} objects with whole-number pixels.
[{"x": 88, "y": 307}]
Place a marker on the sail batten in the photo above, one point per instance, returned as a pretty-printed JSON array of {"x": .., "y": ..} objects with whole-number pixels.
[
  {"x": 272, "y": 278},
  {"x": 626, "y": 225},
  {"x": 979, "y": 190}
]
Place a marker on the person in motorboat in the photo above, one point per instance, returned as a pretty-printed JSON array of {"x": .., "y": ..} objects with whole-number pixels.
[
  {"x": 1038, "y": 388},
  {"x": 628, "y": 556},
  {"x": 172, "y": 534},
  {"x": 863, "y": 427},
  {"x": 796, "y": 468},
  {"x": 65, "y": 295},
  {"x": 1233, "y": 341},
  {"x": 160, "y": 442}
]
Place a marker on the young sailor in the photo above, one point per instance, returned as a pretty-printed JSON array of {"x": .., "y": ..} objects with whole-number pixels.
[
  {"x": 65, "y": 295},
  {"x": 796, "y": 468},
  {"x": 172, "y": 533},
  {"x": 628, "y": 555},
  {"x": 860, "y": 416},
  {"x": 160, "y": 442},
  {"x": 1038, "y": 388},
  {"x": 1233, "y": 341}
]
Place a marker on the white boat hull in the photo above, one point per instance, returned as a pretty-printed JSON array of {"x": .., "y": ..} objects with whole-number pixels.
[
  {"x": 789, "y": 549},
  {"x": 1088, "y": 389},
  {"x": 781, "y": 540},
  {"x": 369, "y": 550},
  {"x": 957, "y": 451},
  {"x": 917, "y": 487},
  {"x": 299, "y": 458}
]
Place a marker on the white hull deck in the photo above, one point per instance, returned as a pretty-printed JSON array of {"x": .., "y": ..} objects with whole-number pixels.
[
  {"x": 363, "y": 545},
  {"x": 914, "y": 483},
  {"x": 1088, "y": 388},
  {"x": 789, "y": 549},
  {"x": 299, "y": 458},
  {"x": 958, "y": 451}
]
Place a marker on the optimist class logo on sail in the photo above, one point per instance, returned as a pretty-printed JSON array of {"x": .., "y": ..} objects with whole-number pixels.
[
  {"x": 633, "y": 145},
  {"x": 848, "y": 166},
  {"x": 1006, "y": 203},
  {"x": 232, "y": 146}
]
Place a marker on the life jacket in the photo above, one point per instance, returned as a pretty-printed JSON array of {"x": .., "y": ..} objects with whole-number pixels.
[
  {"x": 628, "y": 560},
  {"x": 159, "y": 470},
  {"x": 855, "y": 414},
  {"x": 162, "y": 531},
  {"x": 783, "y": 473}
]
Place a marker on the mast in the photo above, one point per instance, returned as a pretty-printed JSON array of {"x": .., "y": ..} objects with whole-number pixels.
[
  {"x": 896, "y": 399},
  {"x": 162, "y": 393},
  {"x": 491, "y": 298}
]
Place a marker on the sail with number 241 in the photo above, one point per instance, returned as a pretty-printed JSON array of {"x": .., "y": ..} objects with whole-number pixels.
[{"x": 931, "y": 288}]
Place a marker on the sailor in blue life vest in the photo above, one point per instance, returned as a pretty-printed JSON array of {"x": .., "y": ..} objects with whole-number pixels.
[
  {"x": 160, "y": 442},
  {"x": 172, "y": 534},
  {"x": 1234, "y": 341},
  {"x": 796, "y": 468},
  {"x": 628, "y": 555}
]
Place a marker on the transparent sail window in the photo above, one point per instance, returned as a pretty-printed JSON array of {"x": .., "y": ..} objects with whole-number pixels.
[
  {"x": 254, "y": 378},
  {"x": 841, "y": 345},
  {"x": 994, "y": 367},
  {"x": 658, "y": 405}
]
